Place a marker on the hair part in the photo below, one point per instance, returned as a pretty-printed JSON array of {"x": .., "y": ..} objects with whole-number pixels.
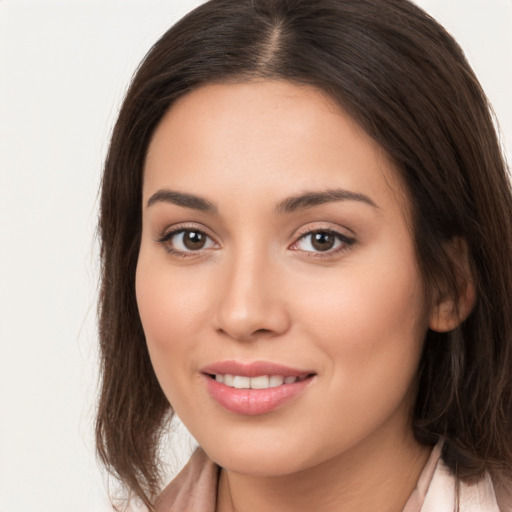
[{"x": 407, "y": 83}]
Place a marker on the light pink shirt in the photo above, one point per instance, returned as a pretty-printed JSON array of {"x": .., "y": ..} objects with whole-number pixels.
[{"x": 195, "y": 489}]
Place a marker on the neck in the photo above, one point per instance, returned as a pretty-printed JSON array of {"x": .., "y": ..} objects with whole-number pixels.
[{"x": 379, "y": 477}]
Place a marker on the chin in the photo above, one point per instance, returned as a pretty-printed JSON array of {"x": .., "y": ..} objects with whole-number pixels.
[
  {"x": 258, "y": 464},
  {"x": 263, "y": 457}
]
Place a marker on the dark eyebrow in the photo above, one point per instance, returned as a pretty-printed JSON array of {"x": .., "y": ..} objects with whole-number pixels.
[
  {"x": 310, "y": 199},
  {"x": 289, "y": 205},
  {"x": 182, "y": 199}
]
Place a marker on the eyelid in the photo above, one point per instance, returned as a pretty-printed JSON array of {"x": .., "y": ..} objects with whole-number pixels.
[
  {"x": 184, "y": 226},
  {"x": 170, "y": 231},
  {"x": 324, "y": 226},
  {"x": 346, "y": 240}
]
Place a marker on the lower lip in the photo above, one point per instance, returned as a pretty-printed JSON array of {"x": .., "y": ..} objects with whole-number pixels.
[{"x": 252, "y": 402}]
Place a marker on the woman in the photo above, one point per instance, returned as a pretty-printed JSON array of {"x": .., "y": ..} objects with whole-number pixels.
[{"x": 306, "y": 240}]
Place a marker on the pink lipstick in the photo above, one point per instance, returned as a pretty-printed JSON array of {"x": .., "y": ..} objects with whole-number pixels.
[{"x": 255, "y": 388}]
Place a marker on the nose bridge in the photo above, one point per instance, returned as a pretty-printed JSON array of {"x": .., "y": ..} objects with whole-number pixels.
[{"x": 250, "y": 303}]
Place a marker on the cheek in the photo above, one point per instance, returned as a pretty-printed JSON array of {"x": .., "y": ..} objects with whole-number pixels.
[
  {"x": 170, "y": 302},
  {"x": 371, "y": 330},
  {"x": 172, "y": 318},
  {"x": 371, "y": 323},
  {"x": 362, "y": 305}
]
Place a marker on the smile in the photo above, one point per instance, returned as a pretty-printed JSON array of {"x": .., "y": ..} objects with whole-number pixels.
[
  {"x": 254, "y": 388},
  {"x": 260, "y": 382}
]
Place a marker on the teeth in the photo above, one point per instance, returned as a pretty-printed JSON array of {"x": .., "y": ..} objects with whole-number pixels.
[
  {"x": 276, "y": 380},
  {"x": 260, "y": 382},
  {"x": 241, "y": 382},
  {"x": 229, "y": 380}
]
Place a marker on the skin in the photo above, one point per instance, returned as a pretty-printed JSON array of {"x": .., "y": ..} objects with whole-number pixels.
[{"x": 356, "y": 315}]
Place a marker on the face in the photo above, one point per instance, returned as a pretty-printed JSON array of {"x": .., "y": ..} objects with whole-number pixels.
[{"x": 277, "y": 282}]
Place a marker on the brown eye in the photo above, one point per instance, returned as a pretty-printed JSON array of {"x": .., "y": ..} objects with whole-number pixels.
[
  {"x": 194, "y": 240},
  {"x": 184, "y": 241},
  {"x": 322, "y": 240}
]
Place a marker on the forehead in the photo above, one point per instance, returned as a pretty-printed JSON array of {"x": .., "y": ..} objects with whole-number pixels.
[{"x": 274, "y": 137}]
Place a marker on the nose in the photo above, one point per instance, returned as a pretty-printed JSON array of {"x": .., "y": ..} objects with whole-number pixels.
[{"x": 252, "y": 302}]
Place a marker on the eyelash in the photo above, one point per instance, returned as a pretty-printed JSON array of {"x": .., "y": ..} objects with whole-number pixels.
[
  {"x": 345, "y": 242},
  {"x": 168, "y": 236}
]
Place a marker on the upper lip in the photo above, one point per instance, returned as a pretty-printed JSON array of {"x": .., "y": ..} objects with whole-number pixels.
[{"x": 253, "y": 369}]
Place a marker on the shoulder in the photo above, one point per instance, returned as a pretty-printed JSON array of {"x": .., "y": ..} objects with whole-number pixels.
[
  {"x": 504, "y": 499},
  {"x": 438, "y": 490},
  {"x": 194, "y": 488},
  {"x": 445, "y": 491},
  {"x": 482, "y": 497}
]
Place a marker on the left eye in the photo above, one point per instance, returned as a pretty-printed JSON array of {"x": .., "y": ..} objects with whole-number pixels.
[{"x": 322, "y": 241}]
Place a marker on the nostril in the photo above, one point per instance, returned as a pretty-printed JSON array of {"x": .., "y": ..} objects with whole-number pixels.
[
  {"x": 263, "y": 331},
  {"x": 248, "y": 335}
]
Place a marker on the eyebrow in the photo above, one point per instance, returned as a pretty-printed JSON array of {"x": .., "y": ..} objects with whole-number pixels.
[
  {"x": 289, "y": 205},
  {"x": 182, "y": 199},
  {"x": 310, "y": 199}
]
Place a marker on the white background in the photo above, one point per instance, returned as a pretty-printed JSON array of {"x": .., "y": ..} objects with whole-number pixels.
[{"x": 64, "y": 66}]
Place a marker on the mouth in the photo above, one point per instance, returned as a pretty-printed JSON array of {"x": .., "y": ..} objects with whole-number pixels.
[
  {"x": 254, "y": 388},
  {"x": 259, "y": 382}
]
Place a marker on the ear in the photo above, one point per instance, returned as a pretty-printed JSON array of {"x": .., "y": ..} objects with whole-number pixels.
[{"x": 451, "y": 309}]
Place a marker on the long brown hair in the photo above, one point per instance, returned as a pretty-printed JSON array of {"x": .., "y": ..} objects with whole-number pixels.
[{"x": 407, "y": 83}]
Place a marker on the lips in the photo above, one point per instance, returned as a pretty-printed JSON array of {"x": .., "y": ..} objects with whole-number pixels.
[
  {"x": 259, "y": 382},
  {"x": 255, "y": 388}
]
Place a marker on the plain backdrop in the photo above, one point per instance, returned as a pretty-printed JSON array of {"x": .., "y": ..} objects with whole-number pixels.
[{"x": 64, "y": 67}]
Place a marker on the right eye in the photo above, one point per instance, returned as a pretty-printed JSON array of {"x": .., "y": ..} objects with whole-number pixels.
[{"x": 186, "y": 241}]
